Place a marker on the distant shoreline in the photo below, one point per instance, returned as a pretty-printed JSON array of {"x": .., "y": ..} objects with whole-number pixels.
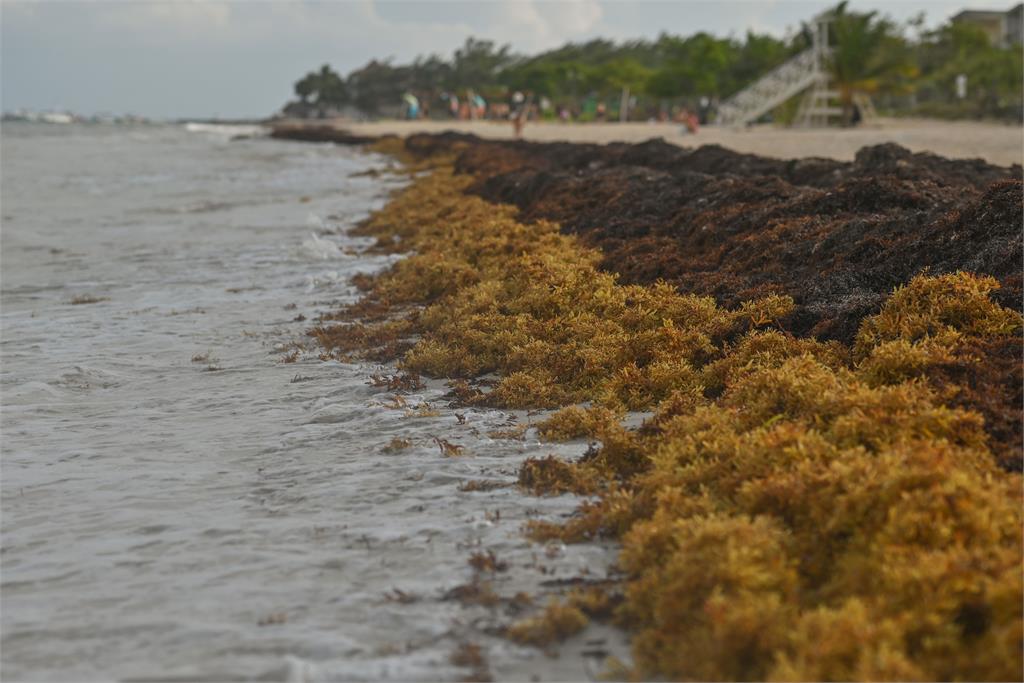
[{"x": 993, "y": 142}]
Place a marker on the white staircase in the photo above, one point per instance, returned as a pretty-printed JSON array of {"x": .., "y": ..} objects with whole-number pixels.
[
  {"x": 817, "y": 107},
  {"x": 806, "y": 71},
  {"x": 821, "y": 104},
  {"x": 791, "y": 78}
]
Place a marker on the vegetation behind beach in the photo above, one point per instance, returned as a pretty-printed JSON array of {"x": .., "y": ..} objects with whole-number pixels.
[{"x": 906, "y": 69}]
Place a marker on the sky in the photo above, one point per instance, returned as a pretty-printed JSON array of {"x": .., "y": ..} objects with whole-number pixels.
[{"x": 178, "y": 58}]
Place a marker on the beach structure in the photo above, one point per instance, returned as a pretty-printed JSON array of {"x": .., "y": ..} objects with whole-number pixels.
[
  {"x": 1002, "y": 28},
  {"x": 805, "y": 73}
]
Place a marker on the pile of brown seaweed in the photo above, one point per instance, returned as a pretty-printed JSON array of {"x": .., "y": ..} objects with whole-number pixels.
[
  {"x": 832, "y": 355},
  {"x": 835, "y": 236},
  {"x": 306, "y": 133}
]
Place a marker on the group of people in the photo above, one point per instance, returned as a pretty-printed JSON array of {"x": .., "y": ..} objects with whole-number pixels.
[
  {"x": 519, "y": 107},
  {"x": 472, "y": 107}
]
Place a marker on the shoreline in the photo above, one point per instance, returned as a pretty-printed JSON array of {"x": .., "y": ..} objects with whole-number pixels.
[
  {"x": 996, "y": 143},
  {"x": 764, "y": 439}
]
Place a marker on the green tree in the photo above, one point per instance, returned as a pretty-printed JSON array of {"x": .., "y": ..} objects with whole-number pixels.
[
  {"x": 869, "y": 54},
  {"x": 378, "y": 85},
  {"x": 429, "y": 75},
  {"x": 330, "y": 88},
  {"x": 542, "y": 77},
  {"x": 477, "y": 64},
  {"x": 324, "y": 89},
  {"x": 624, "y": 76},
  {"x": 305, "y": 87},
  {"x": 994, "y": 74},
  {"x": 692, "y": 66},
  {"x": 755, "y": 57}
]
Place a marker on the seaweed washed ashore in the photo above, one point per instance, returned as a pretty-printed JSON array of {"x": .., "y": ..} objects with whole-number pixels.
[{"x": 828, "y": 487}]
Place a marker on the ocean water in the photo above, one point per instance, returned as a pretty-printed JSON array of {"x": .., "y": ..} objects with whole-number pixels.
[{"x": 180, "y": 503}]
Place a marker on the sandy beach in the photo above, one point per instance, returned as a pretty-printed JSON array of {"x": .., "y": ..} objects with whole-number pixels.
[{"x": 994, "y": 142}]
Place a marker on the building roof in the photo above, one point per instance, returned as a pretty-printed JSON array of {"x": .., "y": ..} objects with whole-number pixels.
[
  {"x": 986, "y": 14},
  {"x": 978, "y": 14}
]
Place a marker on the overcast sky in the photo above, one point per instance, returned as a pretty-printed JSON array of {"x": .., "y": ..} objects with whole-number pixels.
[{"x": 236, "y": 59}]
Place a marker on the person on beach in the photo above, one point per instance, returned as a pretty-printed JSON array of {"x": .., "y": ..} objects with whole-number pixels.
[
  {"x": 691, "y": 124},
  {"x": 517, "y": 112},
  {"x": 703, "y": 109},
  {"x": 857, "y": 116},
  {"x": 412, "y": 105}
]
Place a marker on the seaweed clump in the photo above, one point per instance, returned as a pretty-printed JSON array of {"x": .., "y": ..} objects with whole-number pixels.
[
  {"x": 795, "y": 508},
  {"x": 576, "y": 422},
  {"x": 812, "y": 500},
  {"x": 528, "y": 303},
  {"x": 301, "y": 132},
  {"x": 557, "y": 622},
  {"x": 834, "y": 236},
  {"x": 950, "y": 332}
]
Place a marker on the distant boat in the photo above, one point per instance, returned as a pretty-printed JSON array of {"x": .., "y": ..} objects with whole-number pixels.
[
  {"x": 226, "y": 129},
  {"x": 56, "y": 117}
]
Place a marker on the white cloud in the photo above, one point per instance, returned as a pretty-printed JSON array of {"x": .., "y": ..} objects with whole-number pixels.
[
  {"x": 531, "y": 25},
  {"x": 572, "y": 16},
  {"x": 175, "y": 17}
]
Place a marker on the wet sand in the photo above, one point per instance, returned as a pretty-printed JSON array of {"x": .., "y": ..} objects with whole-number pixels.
[{"x": 994, "y": 142}]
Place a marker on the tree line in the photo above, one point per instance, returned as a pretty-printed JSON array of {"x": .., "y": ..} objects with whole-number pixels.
[{"x": 901, "y": 66}]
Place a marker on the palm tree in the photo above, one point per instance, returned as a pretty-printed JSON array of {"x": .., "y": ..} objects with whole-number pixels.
[{"x": 869, "y": 54}]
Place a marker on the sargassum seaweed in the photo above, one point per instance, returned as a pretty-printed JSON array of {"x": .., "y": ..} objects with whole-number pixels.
[{"x": 794, "y": 510}]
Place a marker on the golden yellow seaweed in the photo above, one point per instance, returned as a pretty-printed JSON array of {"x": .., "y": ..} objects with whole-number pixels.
[{"x": 794, "y": 510}]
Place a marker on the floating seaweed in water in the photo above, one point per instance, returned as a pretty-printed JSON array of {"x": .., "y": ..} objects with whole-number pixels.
[
  {"x": 397, "y": 444},
  {"x": 471, "y": 656},
  {"x": 556, "y": 623},
  {"x": 449, "y": 449},
  {"x": 82, "y": 299},
  {"x": 487, "y": 562},
  {"x": 399, "y": 382}
]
